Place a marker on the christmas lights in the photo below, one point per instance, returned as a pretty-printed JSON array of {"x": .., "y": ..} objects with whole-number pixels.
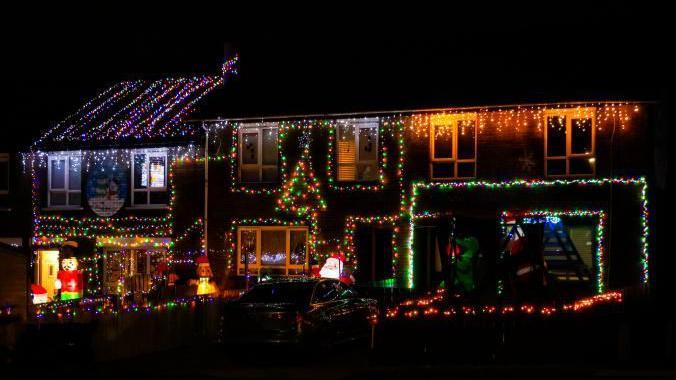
[
  {"x": 640, "y": 182},
  {"x": 382, "y": 159},
  {"x": 231, "y": 240},
  {"x": 351, "y": 228},
  {"x": 532, "y": 216},
  {"x": 138, "y": 109},
  {"x": 436, "y": 305},
  {"x": 69, "y": 310}
]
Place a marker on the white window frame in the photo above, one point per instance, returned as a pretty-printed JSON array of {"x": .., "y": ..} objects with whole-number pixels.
[
  {"x": 453, "y": 121},
  {"x": 259, "y": 129},
  {"x": 570, "y": 114},
  {"x": 358, "y": 126},
  {"x": 66, "y": 156},
  {"x": 255, "y": 268},
  {"x": 156, "y": 152},
  {"x": 4, "y": 158}
]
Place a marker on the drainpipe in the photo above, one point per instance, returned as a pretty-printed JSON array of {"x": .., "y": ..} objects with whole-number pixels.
[{"x": 206, "y": 189}]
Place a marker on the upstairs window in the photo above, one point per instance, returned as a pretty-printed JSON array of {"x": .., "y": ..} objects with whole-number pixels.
[
  {"x": 64, "y": 180},
  {"x": 259, "y": 154},
  {"x": 4, "y": 173},
  {"x": 357, "y": 148},
  {"x": 149, "y": 178},
  {"x": 570, "y": 146},
  {"x": 453, "y": 146}
]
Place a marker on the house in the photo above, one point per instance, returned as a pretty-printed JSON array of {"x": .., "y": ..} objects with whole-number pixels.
[
  {"x": 102, "y": 187},
  {"x": 393, "y": 191},
  {"x": 409, "y": 199}
]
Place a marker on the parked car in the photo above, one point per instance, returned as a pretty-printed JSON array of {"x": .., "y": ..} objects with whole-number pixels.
[{"x": 306, "y": 311}]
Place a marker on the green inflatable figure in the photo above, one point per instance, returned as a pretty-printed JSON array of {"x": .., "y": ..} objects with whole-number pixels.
[{"x": 464, "y": 263}]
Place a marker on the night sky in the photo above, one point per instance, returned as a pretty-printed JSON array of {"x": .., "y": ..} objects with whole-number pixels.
[{"x": 361, "y": 63}]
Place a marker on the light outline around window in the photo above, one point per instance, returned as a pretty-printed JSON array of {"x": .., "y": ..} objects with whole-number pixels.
[
  {"x": 150, "y": 152},
  {"x": 255, "y": 268},
  {"x": 358, "y": 126},
  {"x": 453, "y": 120},
  {"x": 571, "y": 114},
  {"x": 66, "y": 156},
  {"x": 259, "y": 128}
]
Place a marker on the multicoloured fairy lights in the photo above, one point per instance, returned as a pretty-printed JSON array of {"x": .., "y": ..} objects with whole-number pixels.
[
  {"x": 231, "y": 236},
  {"x": 301, "y": 193},
  {"x": 331, "y": 159},
  {"x": 138, "y": 110},
  {"x": 640, "y": 183},
  {"x": 599, "y": 215},
  {"x": 105, "y": 306},
  {"x": 351, "y": 224},
  {"x": 435, "y": 306}
]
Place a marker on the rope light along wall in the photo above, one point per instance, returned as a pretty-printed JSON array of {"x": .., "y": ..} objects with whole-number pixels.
[
  {"x": 639, "y": 182},
  {"x": 600, "y": 232}
]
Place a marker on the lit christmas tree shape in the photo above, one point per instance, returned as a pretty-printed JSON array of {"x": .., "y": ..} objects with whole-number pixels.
[{"x": 301, "y": 194}]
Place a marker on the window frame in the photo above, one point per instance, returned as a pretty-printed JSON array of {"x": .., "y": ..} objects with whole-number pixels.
[
  {"x": 259, "y": 128},
  {"x": 256, "y": 267},
  {"x": 358, "y": 125},
  {"x": 57, "y": 156},
  {"x": 453, "y": 120},
  {"x": 570, "y": 114},
  {"x": 150, "y": 152},
  {"x": 4, "y": 158}
]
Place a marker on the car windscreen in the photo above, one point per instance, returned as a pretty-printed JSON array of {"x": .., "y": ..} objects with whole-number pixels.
[{"x": 296, "y": 293}]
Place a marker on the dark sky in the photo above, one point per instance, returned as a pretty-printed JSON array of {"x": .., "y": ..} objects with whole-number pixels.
[{"x": 432, "y": 58}]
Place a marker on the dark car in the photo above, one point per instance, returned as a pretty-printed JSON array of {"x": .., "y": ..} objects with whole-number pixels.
[{"x": 309, "y": 311}]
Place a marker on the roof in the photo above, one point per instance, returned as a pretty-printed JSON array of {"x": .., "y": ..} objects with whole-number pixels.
[{"x": 139, "y": 110}]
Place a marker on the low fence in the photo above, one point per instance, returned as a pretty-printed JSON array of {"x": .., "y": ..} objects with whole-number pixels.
[{"x": 115, "y": 335}]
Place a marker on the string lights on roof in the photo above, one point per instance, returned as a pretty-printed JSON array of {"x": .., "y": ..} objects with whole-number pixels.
[{"x": 138, "y": 110}]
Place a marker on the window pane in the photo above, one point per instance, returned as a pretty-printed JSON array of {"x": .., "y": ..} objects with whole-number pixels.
[
  {"x": 270, "y": 146},
  {"x": 249, "y": 174},
  {"x": 465, "y": 169},
  {"x": 443, "y": 141},
  {"x": 58, "y": 174},
  {"x": 273, "y": 248},
  {"x": 367, "y": 171},
  {"x": 248, "y": 246},
  {"x": 581, "y": 166},
  {"x": 466, "y": 136},
  {"x": 347, "y": 172},
  {"x": 347, "y": 155},
  {"x": 442, "y": 170},
  {"x": 74, "y": 199},
  {"x": 157, "y": 170},
  {"x": 159, "y": 197},
  {"x": 297, "y": 247},
  {"x": 4, "y": 175},
  {"x": 249, "y": 148},
  {"x": 556, "y": 167},
  {"x": 140, "y": 171},
  {"x": 326, "y": 291},
  {"x": 57, "y": 198},
  {"x": 140, "y": 197},
  {"x": 368, "y": 144},
  {"x": 581, "y": 139},
  {"x": 74, "y": 174},
  {"x": 556, "y": 136}
]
